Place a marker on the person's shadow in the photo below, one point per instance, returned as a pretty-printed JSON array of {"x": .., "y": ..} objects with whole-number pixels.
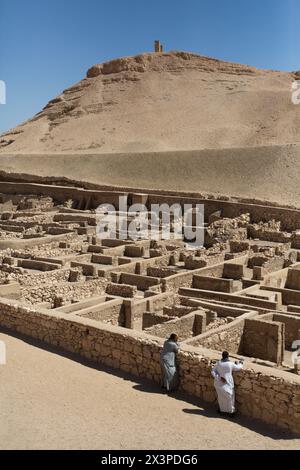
[
  {"x": 145, "y": 386},
  {"x": 210, "y": 410}
]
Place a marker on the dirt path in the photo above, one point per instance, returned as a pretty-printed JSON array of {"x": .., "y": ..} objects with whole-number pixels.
[{"x": 48, "y": 401}]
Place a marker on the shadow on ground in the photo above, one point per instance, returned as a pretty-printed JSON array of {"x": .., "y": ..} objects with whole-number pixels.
[{"x": 145, "y": 386}]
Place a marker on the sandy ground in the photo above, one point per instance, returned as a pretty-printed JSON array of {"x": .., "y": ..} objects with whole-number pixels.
[
  {"x": 263, "y": 173},
  {"x": 48, "y": 401}
]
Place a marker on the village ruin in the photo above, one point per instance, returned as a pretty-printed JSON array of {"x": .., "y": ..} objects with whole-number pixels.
[{"x": 115, "y": 301}]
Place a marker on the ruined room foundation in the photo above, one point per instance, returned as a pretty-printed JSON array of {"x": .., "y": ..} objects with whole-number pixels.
[{"x": 115, "y": 301}]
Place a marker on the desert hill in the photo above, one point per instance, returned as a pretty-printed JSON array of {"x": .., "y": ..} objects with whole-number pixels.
[{"x": 163, "y": 102}]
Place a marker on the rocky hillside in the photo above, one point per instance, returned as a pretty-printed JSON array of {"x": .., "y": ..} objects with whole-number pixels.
[{"x": 161, "y": 102}]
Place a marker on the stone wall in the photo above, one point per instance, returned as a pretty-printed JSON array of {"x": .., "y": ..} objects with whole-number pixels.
[
  {"x": 268, "y": 235},
  {"x": 178, "y": 310},
  {"x": 232, "y": 298},
  {"x": 185, "y": 279},
  {"x": 261, "y": 392},
  {"x": 49, "y": 285},
  {"x": 185, "y": 327},
  {"x": 290, "y": 218},
  {"x": 150, "y": 319},
  {"x": 264, "y": 340},
  {"x": 141, "y": 282},
  {"x": 122, "y": 290},
  {"x": 292, "y": 328},
  {"x": 293, "y": 279},
  {"x": 227, "y": 337},
  {"x": 216, "y": 284},
  {"x": 160, "y": 261},
  {"x": 161, "y": 272},
  {"x": 37, "y": 265},
  {"x": 234, "y": 271},
  {"x": 221, "y": 310},
  {"x": 112, "y": 312},
  {"x": 10, "y": 291},
  {"x": 133, "y": 251}
]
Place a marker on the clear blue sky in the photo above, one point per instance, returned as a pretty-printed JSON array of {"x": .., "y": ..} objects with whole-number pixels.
[{"x": 47, "y": 45}]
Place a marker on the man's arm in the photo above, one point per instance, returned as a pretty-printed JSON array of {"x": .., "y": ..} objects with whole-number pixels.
[{"x": 237, "y": 366}]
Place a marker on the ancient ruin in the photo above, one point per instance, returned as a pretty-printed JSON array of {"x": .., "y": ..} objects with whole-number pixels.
[
  {"x": 165, "y": 129},
  {"x": 115, "y": 301},
  {"x": 158, "y": 47}
]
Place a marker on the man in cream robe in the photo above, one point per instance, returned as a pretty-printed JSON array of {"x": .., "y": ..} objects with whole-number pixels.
[{"x": 224, "y": 384}]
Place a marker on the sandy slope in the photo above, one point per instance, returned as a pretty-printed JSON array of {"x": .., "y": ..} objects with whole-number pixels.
[
  {"x": 169, "y": 101},
  {"x": 264, "y": 173},
  {"x": 49, "y": 401}
]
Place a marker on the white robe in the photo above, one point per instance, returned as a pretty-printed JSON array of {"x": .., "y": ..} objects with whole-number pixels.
[{"x": 225, "y": 390}]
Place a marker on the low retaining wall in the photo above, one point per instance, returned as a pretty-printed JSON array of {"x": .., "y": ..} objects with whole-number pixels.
[{"x": 264, "y": 393}]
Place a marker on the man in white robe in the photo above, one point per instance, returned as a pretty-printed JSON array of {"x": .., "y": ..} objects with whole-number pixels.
[{"x": 224, "y": 384}]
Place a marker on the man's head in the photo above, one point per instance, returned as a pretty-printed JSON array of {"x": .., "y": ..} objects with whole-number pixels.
[
  {"x": 225, "y": 355},
  {"x": 174, "y": 338}
]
